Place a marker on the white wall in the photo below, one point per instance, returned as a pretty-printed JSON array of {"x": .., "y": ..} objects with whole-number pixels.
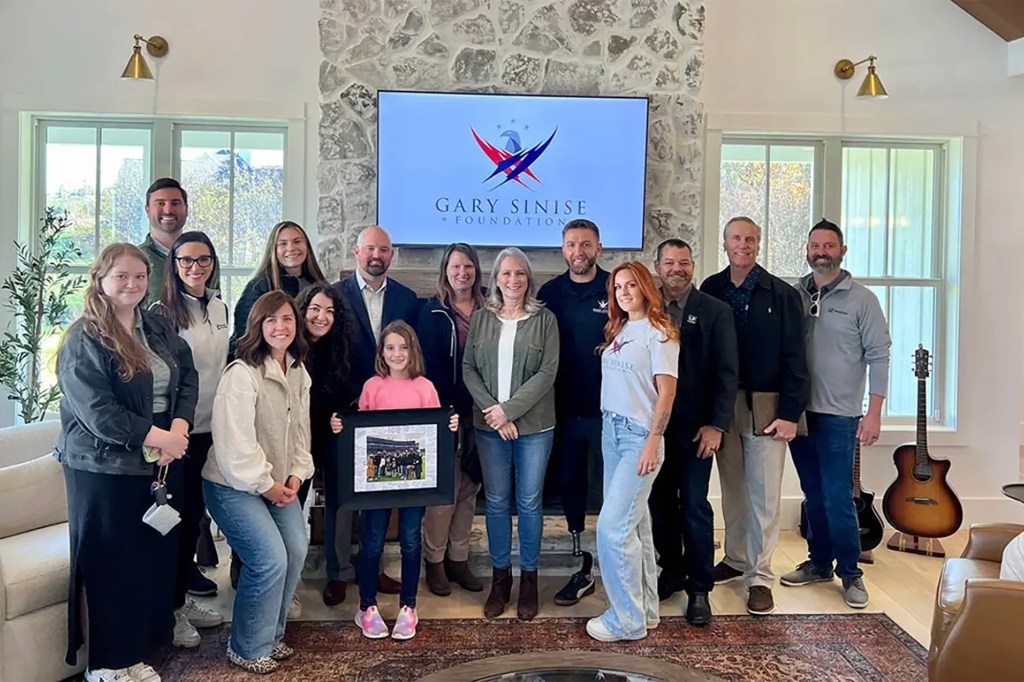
[{"x": 771, "y": 58}]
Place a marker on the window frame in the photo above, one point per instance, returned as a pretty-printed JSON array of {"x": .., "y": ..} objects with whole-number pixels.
[{"x": 954, "y": 159}]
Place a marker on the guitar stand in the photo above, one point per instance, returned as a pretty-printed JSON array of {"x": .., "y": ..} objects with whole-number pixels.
[{"x": 901, "y": 542}]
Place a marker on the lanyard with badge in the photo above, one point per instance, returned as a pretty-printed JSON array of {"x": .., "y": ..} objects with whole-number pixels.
[{"x": 161, "y": 516}]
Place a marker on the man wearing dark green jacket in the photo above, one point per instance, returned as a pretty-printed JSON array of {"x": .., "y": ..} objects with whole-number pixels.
[{"x": 167, "y": 210}]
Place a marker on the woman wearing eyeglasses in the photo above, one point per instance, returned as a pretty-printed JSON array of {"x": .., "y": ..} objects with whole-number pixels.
[{"x": 201, "y": 319}]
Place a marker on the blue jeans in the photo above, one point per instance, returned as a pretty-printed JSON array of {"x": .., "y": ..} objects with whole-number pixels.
[
  {"x": 824, "y": 462},
  {"x": 374, "y": 526},
  {"x": 625, "y": 546},
  {"x": 526, "y": 458},
  {"x": 271, "y": 541}
]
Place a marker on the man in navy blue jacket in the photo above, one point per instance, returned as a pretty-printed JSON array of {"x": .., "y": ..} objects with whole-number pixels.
[
  {"x": 579, "y": 300},
  {"x": 375, "y": 300}
]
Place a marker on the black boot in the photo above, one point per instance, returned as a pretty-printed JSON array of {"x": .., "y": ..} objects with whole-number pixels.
[
  {"x": 698, "y": 610},
  {"x": 459, "y": 573},
  {"x": 528, "y": 600},
  {"x": 501, "y": 592}
]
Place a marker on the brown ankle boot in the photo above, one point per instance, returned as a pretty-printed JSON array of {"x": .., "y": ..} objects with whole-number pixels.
[
  {"x": 437, "y": 581},
  {"x": 501, "y": 592},
  {"x": 459, "y": 573},
  {"x": 527, "y": 595}
]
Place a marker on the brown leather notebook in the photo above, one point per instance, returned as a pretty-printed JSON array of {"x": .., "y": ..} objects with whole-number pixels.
[{"x": 765, "y": 407}]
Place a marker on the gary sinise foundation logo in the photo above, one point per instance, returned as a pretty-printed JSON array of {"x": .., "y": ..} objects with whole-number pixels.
[
  {"x": 514, "y": 160},
  {"x": 509, "y": 160}
]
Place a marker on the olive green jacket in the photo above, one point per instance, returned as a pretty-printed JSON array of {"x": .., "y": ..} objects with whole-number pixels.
[{"x": 534, "y": 366}]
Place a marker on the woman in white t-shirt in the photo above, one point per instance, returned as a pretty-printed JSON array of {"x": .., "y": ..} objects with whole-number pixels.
[{"x": 639, "y": 366}]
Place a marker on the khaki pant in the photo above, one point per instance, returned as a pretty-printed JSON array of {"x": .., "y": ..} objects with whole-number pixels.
[
  {"x": 448, "y": 526},
  {"x": 750, "y": 469}
]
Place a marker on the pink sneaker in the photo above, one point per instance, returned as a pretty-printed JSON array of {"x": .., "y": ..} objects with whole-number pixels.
[
  {"x": 370, "y": 622},
  {"x": 405, "y": 626}
]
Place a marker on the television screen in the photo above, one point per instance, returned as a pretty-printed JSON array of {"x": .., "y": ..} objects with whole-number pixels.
[{"x": 499, "y": 170}]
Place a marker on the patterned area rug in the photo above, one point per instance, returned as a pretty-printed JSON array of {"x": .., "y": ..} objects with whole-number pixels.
[{"x": 815, "y": 647}]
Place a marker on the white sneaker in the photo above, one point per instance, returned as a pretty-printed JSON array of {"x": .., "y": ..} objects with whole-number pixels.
[
  {"x": 140, "y": 672},
  {"x": 200, "y": 616},
  {"x": 185, "y": 634},
  {"x": 295, "y": 608},
  {"x": 108, "y": 675}
]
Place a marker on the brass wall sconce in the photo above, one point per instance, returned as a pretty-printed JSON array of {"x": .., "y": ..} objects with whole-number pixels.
[
  {"x": 871, "y": 88},
  {"x": 137, "y": 68}
]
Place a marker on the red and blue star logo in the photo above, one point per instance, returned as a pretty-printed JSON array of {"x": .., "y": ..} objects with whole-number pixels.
[
  {"x": 617, "y": 346},
  {"x": 514, "y": 160}
]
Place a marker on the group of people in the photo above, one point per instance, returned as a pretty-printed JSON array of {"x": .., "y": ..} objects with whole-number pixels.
[{"x": 165, "y": 405}]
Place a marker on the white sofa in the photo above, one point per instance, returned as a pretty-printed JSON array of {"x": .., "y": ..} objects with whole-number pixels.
[{"x": 34, "y": 557}]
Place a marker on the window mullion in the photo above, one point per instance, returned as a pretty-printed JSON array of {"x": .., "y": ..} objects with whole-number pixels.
[
  {"x": 96, "y": 195},
  {"x": 767, "y": 202},
  {"x": 231, "y": 198}
]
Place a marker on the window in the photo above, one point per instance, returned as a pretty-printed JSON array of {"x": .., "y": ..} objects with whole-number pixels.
[
  {"x": 99, "y": 170},
  {"x": 888, "y": 198},
  {"x": 775, "y": 185},
  {"x": 889, "y": 217},
  {"x": 235, "y": 181}
]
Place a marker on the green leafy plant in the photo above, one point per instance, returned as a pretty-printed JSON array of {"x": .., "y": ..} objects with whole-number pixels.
[{"x": 38, "y": 291}]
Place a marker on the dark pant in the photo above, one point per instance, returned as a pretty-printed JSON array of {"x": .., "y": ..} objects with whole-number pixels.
[
  {"x": 682, "y": 517},
  {"x": 579, "y": 462},
  {"x": 192, "y": 508},
  {"x": 824, "y": 463},
  {"x": 373, "y": 528}
]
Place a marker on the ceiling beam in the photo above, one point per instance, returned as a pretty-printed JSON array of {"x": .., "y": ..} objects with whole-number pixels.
[{"x": 1005, "y": 18}]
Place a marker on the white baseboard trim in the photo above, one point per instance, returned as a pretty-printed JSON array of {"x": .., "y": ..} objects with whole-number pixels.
[{"x": 976, "y": 510}]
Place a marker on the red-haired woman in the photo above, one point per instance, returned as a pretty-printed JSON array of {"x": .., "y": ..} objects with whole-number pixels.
[{"x": 639, "y": 366}]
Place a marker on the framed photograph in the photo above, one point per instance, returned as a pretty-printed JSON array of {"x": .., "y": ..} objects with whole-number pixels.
[{"x": 396, "y": 458}]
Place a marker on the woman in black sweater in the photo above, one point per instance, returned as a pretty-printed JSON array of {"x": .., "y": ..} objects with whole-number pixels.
[{"x": 329, "y": 330}]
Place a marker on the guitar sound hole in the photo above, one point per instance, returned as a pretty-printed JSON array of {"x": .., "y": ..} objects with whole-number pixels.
[{"x": 922, "y": 475}]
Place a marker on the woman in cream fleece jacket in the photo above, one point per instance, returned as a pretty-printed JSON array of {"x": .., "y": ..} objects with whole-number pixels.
[{"x": 260, "y": 457}]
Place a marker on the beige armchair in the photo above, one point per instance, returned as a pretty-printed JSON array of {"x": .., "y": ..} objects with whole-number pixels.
[
  {"x": 978, "y": 618},
  {"x": 34, "y": 557}
]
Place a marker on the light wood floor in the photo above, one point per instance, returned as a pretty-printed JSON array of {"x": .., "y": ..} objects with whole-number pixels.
[{"x": 901, "y": 585}]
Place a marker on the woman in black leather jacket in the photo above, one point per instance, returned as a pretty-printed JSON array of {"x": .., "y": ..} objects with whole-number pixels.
[{"x": 129, "y": 396}]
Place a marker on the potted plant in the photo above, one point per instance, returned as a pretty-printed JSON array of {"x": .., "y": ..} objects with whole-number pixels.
[{"x": 38, "y": 291}]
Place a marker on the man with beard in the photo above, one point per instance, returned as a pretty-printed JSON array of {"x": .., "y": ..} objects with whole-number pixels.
[
  {"x": 683, "y": 522},
  {"x": 846, "y": 337},
  {"x": 772, "y": 379},
  {"x": 167, "y": 210},
  {"x": 579, "y": 300},
  {"x": 375, "y": 299}
]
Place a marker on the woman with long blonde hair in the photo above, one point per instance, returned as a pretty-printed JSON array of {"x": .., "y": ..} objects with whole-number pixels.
[
  {"x": 288, "y": 264},
  {"x": 129, "y": 398},
  {"x": 639, "y": 367}
]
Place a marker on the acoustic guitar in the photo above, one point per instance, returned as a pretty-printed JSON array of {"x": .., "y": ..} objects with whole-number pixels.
[
  {"x": 920, "y": 502},
  {"x": 868, "y": 520}
]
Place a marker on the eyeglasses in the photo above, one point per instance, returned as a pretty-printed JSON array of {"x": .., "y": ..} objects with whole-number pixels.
[
  {"x": 187, "y": 262},
  {"x": 815, "y": 309}
]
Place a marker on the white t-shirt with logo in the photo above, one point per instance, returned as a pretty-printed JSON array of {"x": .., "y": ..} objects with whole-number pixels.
[{"x": 628, "y": 368}]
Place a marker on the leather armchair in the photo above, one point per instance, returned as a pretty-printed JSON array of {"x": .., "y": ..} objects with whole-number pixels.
[{"x": 978, "y": 618}]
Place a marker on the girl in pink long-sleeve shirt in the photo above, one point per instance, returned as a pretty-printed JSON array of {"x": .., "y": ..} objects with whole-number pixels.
[{"x": 400, "y": 384}]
